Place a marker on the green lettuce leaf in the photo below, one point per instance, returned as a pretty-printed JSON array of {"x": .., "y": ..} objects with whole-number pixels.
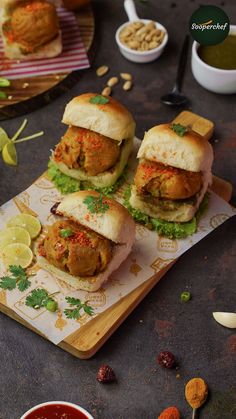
[
  {"x": 66, "y": 184},
  {"x": 169, "y": 229},
  {"x": 63, "y": 183}
]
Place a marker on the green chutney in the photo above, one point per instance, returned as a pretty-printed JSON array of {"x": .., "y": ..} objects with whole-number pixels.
[{"x": 222, "y": 55}]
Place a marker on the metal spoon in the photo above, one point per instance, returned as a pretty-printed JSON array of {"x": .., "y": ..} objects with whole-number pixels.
[{"x": 174, "y": 98}]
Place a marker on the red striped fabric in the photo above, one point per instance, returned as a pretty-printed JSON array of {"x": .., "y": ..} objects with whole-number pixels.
[{"x": 73, "y": 56}]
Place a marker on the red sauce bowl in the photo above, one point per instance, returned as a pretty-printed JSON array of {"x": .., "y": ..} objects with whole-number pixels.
[{"x": 57, "y": 410}]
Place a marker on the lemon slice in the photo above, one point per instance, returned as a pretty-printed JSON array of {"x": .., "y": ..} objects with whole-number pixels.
[
  {"x": 27, "y": 221},
  {"x": 17, "y": 254},
  {"x": 9, "y": 154},
  {"x": 4, "y": 139},
  {"x": 14, "y": 235}
]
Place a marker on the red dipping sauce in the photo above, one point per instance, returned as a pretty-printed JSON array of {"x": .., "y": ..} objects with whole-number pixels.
[{"x": 56, "y": 411}]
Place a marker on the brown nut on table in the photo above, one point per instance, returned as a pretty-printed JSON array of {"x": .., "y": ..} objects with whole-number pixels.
[
  {"x": 101, "y": 71},
  {"x": 112, "y": 81},
  {"x": 106, "y": 91},
  {"x": 127, "y": 85},
  {"x": 126, "y": 76}
]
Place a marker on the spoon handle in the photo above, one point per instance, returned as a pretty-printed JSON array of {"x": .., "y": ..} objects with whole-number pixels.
[
  {"x": 130, "y": 10},
  {"x": 182, "y": 65},
  {"x": 194, "y": 415}
]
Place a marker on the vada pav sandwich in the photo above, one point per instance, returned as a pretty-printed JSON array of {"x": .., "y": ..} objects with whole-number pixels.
[
  {"x": 30, "y": 29},
  {"x": 171, "y": 180},
  {"x": 95, "y": 148},
  {"x": 91, "y": 238}
]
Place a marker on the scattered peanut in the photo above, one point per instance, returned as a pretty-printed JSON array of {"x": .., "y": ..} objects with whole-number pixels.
[
  {"x": 112, "y": 81},
  {"x": 127, "y": 85},
  {"x": 141, "y": 37},
  {"x": 101, "y": 71},
  {"x": 126, "y": 76},
  {"x": 106, "y": 91}
]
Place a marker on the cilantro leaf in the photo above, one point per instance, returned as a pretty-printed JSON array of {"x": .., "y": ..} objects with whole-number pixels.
[
  {"x": 23, "y": 284},
  {"x": 17, "y": 270},
  {"x": 18, "y": 278},
  {"x": 96, "y": 205},
  {"x": 66, "y": 232},
  {"x": 73, "y": 301},
  {"x": 8, "y": 283},
  {"x": 75, "y": 313},
  {"x": 36, "y": 298},
  {"x": 179, "y": 129},
  {"x": 99, "y": 100},
  {"x": 72, "y": 314}
]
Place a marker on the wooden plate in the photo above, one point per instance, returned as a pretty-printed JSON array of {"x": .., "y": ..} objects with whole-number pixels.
[{"x": 28, "y": 94}]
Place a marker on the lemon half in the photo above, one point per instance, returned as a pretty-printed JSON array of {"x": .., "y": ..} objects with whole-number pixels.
[
  {"x": 14, "y": 235},
  {"x": 17, "y": 254},
  {"x": 27, "y": 221}
]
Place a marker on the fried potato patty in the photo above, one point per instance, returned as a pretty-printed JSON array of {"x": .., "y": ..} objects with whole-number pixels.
[
  {"x": 166, "y": 182},
  {"x": 82, "y": 148},
  {"x": 82, "y": 253},
  {"x": 34, "y": 23}
]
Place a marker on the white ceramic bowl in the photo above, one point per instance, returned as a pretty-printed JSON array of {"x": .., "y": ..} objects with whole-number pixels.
[
  {"x": 141, "y": 56},
  {"x": 75, "y": 406},
  {"x": 214, "y": 79}
]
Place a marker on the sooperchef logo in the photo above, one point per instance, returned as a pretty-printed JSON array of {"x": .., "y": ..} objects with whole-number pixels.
[{"x": 209, "y": 25}]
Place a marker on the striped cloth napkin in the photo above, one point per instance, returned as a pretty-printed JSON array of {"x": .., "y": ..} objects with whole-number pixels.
[{"x": 73, "y": 56}]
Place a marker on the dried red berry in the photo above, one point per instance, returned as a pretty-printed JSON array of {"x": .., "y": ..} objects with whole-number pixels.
[
  {"x": 106, "y": 374},
  {"x": 166, "y": 359}
]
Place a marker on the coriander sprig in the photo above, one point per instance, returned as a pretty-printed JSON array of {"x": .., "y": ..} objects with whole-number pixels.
[
  {"x": 40, "y": 298},
  {"x": 75, "y": 313},
  {"x": 96, "y": 205},
  {"x": 18, "y": 279},
  {"x": 179, "y": 129}
]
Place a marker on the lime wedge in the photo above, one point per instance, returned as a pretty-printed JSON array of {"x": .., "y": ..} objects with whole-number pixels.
[
  {"x": 17, "y": 254},
  {"x": 9, "y": 154},
  {"x": 27, "y": 221},
  {"x": 14, "y": 235},
  {"x": 4, "y": 139}
]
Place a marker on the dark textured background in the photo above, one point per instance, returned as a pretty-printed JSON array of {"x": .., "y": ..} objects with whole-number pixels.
[{"x": 33, "y": 370}]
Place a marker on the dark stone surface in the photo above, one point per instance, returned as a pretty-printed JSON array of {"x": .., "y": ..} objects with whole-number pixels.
[{"x": 32, "y": 369}]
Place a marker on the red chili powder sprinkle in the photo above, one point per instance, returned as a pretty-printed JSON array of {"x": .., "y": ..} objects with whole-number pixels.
[
  {"x": 35, "y": 6},
  {"x": 81, "y": 238},
  {"x": 148, "y": 170},
  {"x": 87, "y": 217}
]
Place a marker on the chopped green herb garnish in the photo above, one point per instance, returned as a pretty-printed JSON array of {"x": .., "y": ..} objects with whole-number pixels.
[
  {"x": 99, "y": 100},
  {"x": 185, "y": 296},
  {"x": 19, "y": 278},
  {"x": 179, "y": 129},
  {"x": 40, "y": 298},
  {"x": 75, "y": 313},
  {"x": 96, "y": 205},
  {"x": 4, "y": 82},
  {"x": 66, "y": 232},
  {"x": 3, "y": 95}
]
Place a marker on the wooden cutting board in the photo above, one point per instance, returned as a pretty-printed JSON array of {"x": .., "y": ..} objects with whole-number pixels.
[{"x": 85, "y": 342}]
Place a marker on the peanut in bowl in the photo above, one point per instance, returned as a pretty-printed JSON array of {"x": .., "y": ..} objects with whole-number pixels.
[{"x": 141, "y": 41}]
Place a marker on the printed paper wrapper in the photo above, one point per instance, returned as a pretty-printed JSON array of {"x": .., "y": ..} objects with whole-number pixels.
[
  {"x": 150, "y": 255},
  {"x": 73, "y": 56}
]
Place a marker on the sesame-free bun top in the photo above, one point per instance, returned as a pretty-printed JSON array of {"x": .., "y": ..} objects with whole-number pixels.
[
  {"x": 115, "y": 223},
  {"x": 189, "y": 152},
  {"x": 111, "y": 119}
]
